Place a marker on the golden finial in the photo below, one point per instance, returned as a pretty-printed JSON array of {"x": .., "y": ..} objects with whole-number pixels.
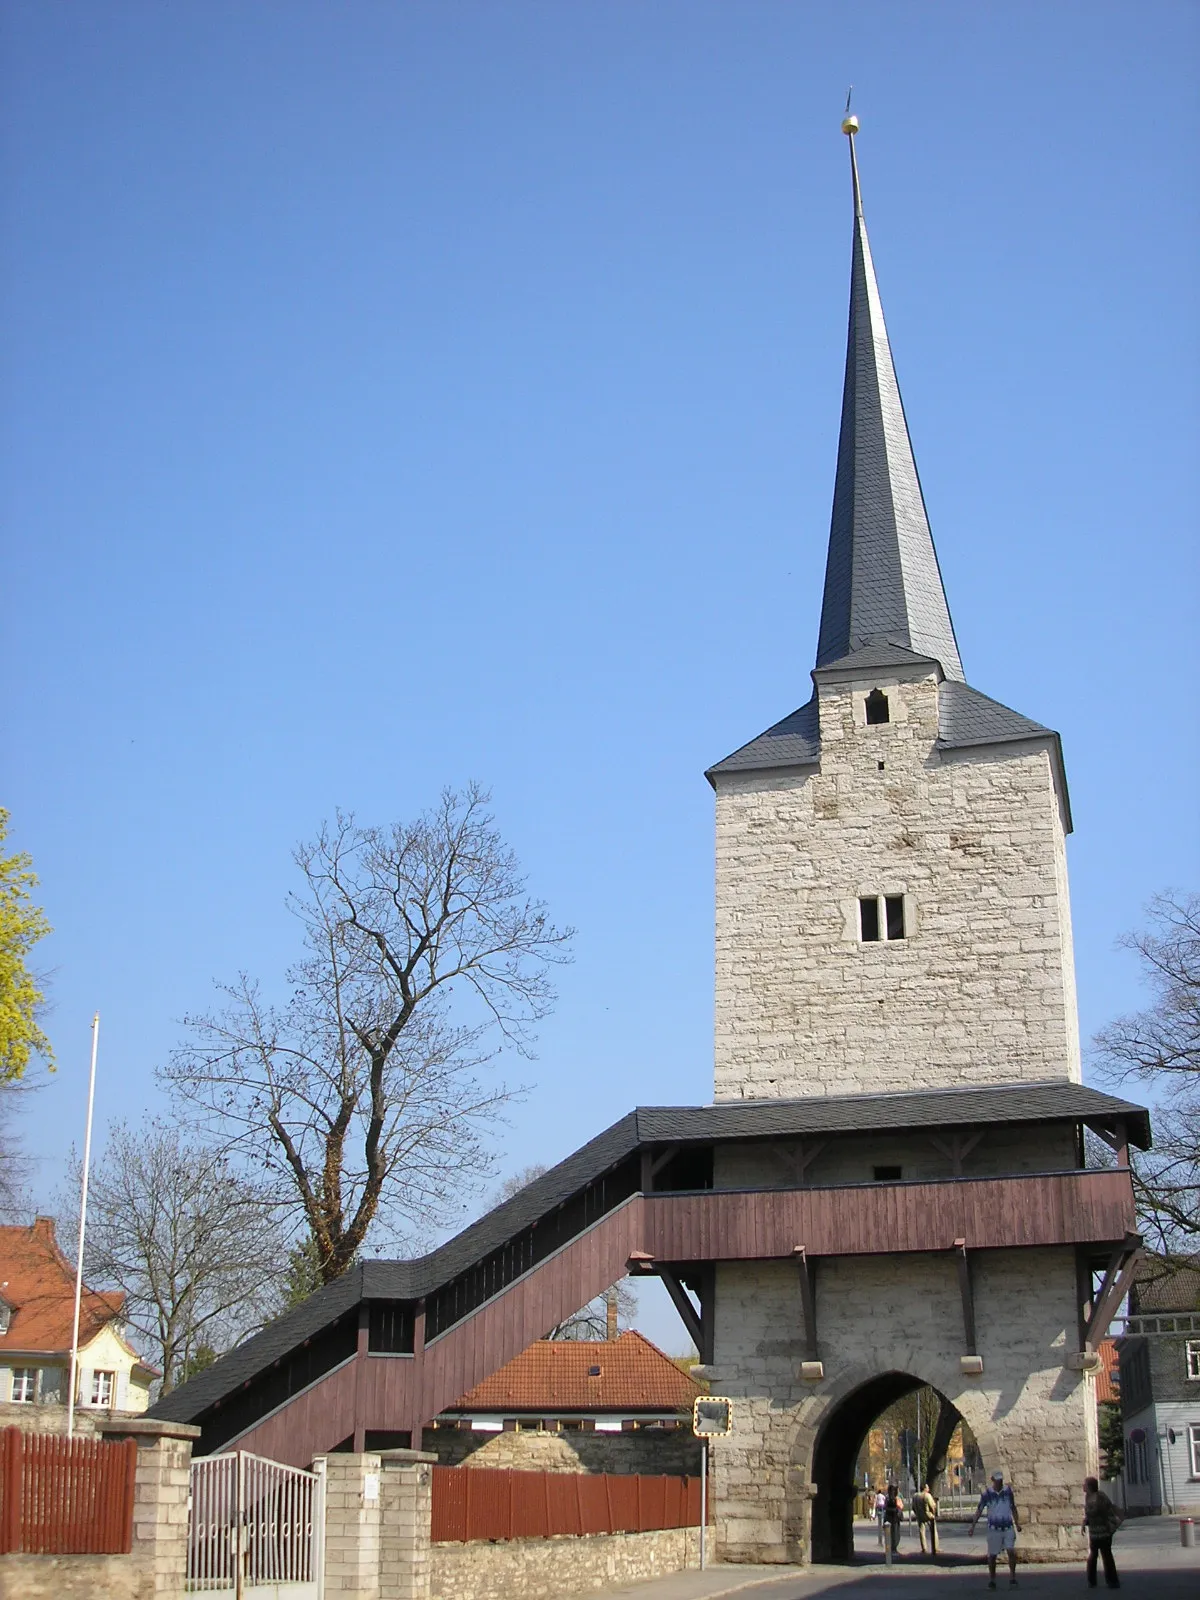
[{"x": 849, "y": 122}]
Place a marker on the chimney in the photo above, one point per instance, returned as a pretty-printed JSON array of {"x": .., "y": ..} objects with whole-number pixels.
[{"x": 610, "y": 1317}]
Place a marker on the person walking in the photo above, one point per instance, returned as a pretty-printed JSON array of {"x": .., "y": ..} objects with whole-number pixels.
[
  {"x": 893, "y": 1512},
  {"x": 1004, "y": 1524},
  {"x": 1101, "y": 1519},
  {"x": 925, "y": 1509},
  {"x": 880, "y": 1508}
]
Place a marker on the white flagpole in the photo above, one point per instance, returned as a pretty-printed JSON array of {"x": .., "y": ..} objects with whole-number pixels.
[{"x": 87, "y": 1158}]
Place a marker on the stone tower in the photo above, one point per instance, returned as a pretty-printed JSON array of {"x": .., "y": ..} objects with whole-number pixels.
[{"x": 891, "y": 879}]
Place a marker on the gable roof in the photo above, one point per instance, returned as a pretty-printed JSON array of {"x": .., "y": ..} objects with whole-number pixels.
[
  {"x": 555, "y": 1375},
  {"x": 38, "y": 1281}
]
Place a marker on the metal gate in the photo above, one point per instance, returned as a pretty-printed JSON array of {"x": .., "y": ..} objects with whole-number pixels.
[{"x": 256, "y": 1528}]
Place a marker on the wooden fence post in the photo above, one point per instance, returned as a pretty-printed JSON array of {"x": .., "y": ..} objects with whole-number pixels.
[{"x": 10, "y": 1511}]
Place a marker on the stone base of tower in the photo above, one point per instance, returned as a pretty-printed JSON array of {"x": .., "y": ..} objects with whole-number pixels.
[{"x": 781, "y": 1479}]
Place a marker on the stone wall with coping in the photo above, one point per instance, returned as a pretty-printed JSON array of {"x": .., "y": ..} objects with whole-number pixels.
[
  {"x": 545, "y": 1569},
  {"x": 657, "y": 1451},
  {"x": 982, "y": 989},
  {"x": 1031, "y": 1414}
]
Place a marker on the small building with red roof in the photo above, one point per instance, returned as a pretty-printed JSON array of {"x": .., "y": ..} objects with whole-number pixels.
[
  {"x": 558, "y": 1385},
  {"x": 37, "y": 1307}
]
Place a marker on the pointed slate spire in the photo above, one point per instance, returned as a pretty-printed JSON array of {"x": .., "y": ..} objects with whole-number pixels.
[{"x": 882, "y": 583}]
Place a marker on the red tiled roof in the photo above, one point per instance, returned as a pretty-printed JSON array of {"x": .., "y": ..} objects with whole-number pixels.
[
  {"x": 38, "y": 1282},
  {"x": 1108, "y": 1379},
  {"x": 552, "y": 1376}
]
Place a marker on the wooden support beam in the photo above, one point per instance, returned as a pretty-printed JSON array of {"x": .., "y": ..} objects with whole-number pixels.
[
  {"x": 1118, "y": 1280},
  {"x": 808, "y": 1299},
  {"x": 361, "y": 1348},
  {"x": 419, "y": 1419},
  {"x": 682, "y": 1302},
  {"x": 702, "y": 1281},
  {"x": 652, "y": 1165},
  {"x": 1116, "y": 1136},
  {"x": 797, "y": 1157},
  {"x": 963, "y": 1266},
  {"x": 956, "y": 1147}
]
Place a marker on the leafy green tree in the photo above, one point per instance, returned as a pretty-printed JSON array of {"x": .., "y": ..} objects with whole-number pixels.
[{"x": 22, "y": 924}]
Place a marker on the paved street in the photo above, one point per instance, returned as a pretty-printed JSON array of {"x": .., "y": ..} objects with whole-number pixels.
[{"x": 1152, "y": 1563}]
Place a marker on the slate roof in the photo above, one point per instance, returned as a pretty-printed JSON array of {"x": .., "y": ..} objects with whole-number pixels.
[
  {"x": 966, "y": 718},
  {"x": 554, "y": 1375},
  {"x": 882, "y": 581},
  {"x": 38, "y": 1282},
  {"x": 648, "y": 1125}
]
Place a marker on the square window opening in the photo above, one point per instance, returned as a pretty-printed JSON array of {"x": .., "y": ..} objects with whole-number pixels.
[
  {"x": 868, "y": 920},
  {"x": 888, "y": 1174},
  {"x": 1194, "y": 1447},
  {"x": 1193, "y": 1359},
  {"x": 894, "y": 910}
]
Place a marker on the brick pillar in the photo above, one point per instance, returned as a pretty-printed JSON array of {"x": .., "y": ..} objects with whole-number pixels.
[
  {"x": 406, "y": 1501},
  {"x": 160, "y": 1500},
  {"x": 352, "y": 1526}
]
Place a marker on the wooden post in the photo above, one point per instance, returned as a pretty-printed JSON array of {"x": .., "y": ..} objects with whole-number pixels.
[
  {"x": 10, "y": 1507},
  {"x": 361, "y": 1349},
  {"x": 417, "y": 1411}
]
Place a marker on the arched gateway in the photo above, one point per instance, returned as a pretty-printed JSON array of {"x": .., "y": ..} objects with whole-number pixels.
[{"x": 890, "y": 1186}]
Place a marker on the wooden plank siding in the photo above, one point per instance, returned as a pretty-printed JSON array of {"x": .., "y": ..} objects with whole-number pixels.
[{"x": 381, "y": 1391}]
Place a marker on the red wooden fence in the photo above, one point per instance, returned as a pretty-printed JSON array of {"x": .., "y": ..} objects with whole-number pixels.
[
  {"x": 489, "y": 1503},
  {"x": 65, "y": 1497}
]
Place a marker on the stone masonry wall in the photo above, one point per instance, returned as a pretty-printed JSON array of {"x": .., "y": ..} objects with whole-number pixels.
[
  {"x": 982, "y": 989},
  {"x": 545, "y": 1569},
  {"x": 673, "y": 1452},
  {"x": 1030, "y": 1413}
]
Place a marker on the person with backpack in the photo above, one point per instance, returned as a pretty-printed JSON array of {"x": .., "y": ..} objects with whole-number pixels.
[
  {"x": 1101, "y": 1519},
  {"x": 893, "y": 1513},
  {"x": 880, "y": 1508},
  {"x": 1000, "y": 1508}
]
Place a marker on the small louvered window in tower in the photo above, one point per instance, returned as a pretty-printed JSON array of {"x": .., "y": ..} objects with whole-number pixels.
[
  {"x": 881, "y": 917},
  {"x": 877, "y": 706}
]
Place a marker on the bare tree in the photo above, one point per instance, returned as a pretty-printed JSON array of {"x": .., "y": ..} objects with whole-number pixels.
[
  {"x": 187, "y": 1239},
  {"x": 590, "y": 1321},
  {"x": 1160, "y": 1046},
  {"x": 359, "y": 1100}
]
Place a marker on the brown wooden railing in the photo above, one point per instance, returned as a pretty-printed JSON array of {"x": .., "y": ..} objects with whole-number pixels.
[
  {"x": 65, "y": 1497},
  {"x": 486, "y": 1503}
]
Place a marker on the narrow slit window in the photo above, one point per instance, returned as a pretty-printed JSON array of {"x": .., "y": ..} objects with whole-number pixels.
[
  {"x": 877, "y": 706},
  {"x": 868, "y": 920},
  {"x": 888, "y": 1174},
  {"x": 894, "y": 912}
]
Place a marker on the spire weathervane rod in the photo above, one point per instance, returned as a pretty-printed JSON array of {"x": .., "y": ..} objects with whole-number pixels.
[{"x": 850, "y": 128}]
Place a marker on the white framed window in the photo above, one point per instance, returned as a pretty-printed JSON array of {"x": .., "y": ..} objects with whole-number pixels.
[
  {"x": 1194, "y": 1448},
  {"x": 103, "y": 1384},
  {"x": 1193, "y": 1359},
  {"x": 24, "y": 1385}
]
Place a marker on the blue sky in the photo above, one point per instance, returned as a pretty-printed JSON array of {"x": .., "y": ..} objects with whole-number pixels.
[{"x": 401, "y": 394}]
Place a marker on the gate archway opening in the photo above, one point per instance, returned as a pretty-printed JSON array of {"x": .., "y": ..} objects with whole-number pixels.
[{"x": 836, "y": 1453}]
